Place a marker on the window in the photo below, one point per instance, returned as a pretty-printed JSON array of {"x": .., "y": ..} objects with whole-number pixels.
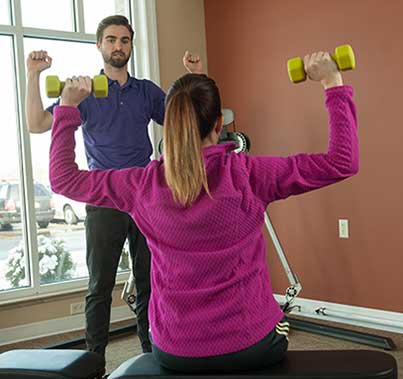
[
  {"x": 51, "y": 256},
  {"x": 5, "y": 12},
  {"x": 65, "y": 230},
  {"x": 95, "y": 10},
  {"x": 48, "y": 14},
  {"x": 13, "y": 257}
]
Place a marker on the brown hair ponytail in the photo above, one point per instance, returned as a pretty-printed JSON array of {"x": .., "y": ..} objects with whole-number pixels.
[{"x": 192, "y": 109}]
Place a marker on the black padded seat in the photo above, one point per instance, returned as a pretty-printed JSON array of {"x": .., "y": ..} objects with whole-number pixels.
[
  {"x": 331, "y": 364},
  {"x": 50, "y": 364}
]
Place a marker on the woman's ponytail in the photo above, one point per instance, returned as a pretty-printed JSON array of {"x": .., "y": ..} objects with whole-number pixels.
[
  {"x": 185, "y": 172},
  {"x": 193, "y": 107}
]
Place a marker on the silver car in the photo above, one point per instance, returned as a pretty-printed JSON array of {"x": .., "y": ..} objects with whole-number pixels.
[
  {"x": 10, "y": 204},
  {"x": 68, "y": 210}
]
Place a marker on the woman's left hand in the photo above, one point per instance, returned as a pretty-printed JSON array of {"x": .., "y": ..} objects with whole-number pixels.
[{"x": 75, "y": 90}]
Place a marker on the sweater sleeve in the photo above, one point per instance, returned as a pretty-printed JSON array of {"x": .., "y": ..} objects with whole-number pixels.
[
  {"x": 274, "y": 178},
  {"x": 107, "y": 188}
]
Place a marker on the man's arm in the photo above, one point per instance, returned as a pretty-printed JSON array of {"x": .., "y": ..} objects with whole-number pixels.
[{"x": 38, "y": 119}]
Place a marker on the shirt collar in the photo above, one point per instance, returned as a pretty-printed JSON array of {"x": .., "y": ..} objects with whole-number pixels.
[
  {"x": 220, "y": 148},
  {"x": 131, "y": 81}
]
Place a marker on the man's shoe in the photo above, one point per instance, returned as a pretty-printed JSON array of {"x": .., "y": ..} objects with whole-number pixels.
[{"x": 146, "y": 347}]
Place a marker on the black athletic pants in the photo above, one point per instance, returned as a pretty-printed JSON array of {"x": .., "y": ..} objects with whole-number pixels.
[
  {"x": 264, "y": 353},
  {"x": 106, "y": 232}
]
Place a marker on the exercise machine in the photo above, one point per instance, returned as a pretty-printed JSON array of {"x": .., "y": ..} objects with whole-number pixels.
[{"x": 81, "y": 364}]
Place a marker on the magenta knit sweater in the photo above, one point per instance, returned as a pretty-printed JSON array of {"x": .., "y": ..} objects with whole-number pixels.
[{"x": 211, "y": 291}]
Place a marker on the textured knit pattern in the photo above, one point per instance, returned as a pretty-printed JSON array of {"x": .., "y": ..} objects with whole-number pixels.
[{"x": 211, "y": 291}]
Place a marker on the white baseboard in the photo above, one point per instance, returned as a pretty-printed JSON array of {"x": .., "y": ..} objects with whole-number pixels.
[
  {"x": 351, "y": 315},
  {"x": 348, "y": 314},
  {"x": 57, "y": 326}
]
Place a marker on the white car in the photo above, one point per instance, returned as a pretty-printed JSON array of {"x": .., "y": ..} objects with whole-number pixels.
[{"x": 70, "y": 211}]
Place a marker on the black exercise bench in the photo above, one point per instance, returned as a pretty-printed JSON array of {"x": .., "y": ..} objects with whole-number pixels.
[{"x": 78, "y": 364}]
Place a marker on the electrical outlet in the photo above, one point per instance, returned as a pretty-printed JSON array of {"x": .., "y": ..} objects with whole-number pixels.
[
  {"x": 343, "y": 229},
  {"x": 76, "y": 308}
]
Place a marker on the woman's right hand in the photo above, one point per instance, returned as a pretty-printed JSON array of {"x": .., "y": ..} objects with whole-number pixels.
[
  {"x": 322, "y": 68},
  {"x": 75, "y": 90},
  {"x": 38, "y": 61}
]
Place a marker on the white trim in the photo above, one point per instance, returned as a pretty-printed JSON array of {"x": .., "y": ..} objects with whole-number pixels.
[
  {"x": 78, "y": 16},
  {"x": 146, "y": 41},
  {"x": 57, "y": 326},
  {"x": 58, "y": 35},
  {"x": 146, "y": 60},
  {"x": 7, "y": 29},
  {"x": 45, "y": 291},
  {"x": 25, "y": 158},
  {"x": 348, "y": 314},
  {"x": 381, "y": 320}
]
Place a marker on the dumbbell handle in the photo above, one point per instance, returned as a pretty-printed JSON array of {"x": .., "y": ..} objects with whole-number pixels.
[{"x": 62, "y": 84}]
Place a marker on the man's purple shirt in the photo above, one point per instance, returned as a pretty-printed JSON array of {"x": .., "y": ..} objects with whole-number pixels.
[{"x": 115, "y": 128}]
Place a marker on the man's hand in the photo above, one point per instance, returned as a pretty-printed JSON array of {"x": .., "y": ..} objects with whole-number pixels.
[
  {"x": 38, "y": 61},
  {"x": 192, "y": 63},
  {"x": 75, "y": 90}
]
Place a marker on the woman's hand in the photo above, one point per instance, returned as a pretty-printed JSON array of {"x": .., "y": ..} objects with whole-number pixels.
[
  {"x": 75, "y": 90},
  {"x": 322, "y": 68}
]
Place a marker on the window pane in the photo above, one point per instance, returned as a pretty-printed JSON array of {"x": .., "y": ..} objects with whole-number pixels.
[
  {"x": 62, "y": 243},
  {"x": 5, "y": 12},
  {"x": 13, "y": 258},
  {"x": 96, "y": 10},
  {"x": 48, "y": 14}
]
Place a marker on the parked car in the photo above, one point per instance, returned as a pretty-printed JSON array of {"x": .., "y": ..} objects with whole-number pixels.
[
  {"x": 68, "y": 210},
  {"x": 10, "y": 204}
]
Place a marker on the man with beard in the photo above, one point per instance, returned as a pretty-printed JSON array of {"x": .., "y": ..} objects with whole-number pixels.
[{"x": 115, "y": 131}]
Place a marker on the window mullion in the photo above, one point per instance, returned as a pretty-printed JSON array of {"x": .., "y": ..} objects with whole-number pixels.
[
  {"x": 144, "y": 18},
  {"x": 7, "y": 29},
  {"x": 26, "y": 175},
  {"x": 79, "y": 16}
]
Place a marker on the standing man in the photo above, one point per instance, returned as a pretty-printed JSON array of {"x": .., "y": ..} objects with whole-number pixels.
[{"x": 115, "y": 131}]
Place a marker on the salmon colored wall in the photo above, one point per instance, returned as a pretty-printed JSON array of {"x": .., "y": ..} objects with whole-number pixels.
[
  {"x": 180, "y": 25},
  {"x": 248, "y": 44}
]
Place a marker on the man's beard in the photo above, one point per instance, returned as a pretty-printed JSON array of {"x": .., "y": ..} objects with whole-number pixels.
[{"x": 117, "y": 62}]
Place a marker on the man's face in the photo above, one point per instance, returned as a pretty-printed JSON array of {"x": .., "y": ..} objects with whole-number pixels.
[{"x": 116, "y": 45}]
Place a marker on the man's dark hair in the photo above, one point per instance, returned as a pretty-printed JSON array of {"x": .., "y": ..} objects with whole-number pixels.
[{"x": 113, "y": 20}]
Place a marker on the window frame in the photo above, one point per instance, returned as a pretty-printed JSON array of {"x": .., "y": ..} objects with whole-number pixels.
[{"x": 142, "y": 15}]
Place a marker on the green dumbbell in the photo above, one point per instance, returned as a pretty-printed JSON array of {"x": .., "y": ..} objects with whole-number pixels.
[
  {"x": 343, "y": 56},
  {"x": 54, "y": 86}
]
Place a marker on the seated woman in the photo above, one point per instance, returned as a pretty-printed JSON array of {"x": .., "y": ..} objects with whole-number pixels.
[{"x": 201, "y": 208}]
